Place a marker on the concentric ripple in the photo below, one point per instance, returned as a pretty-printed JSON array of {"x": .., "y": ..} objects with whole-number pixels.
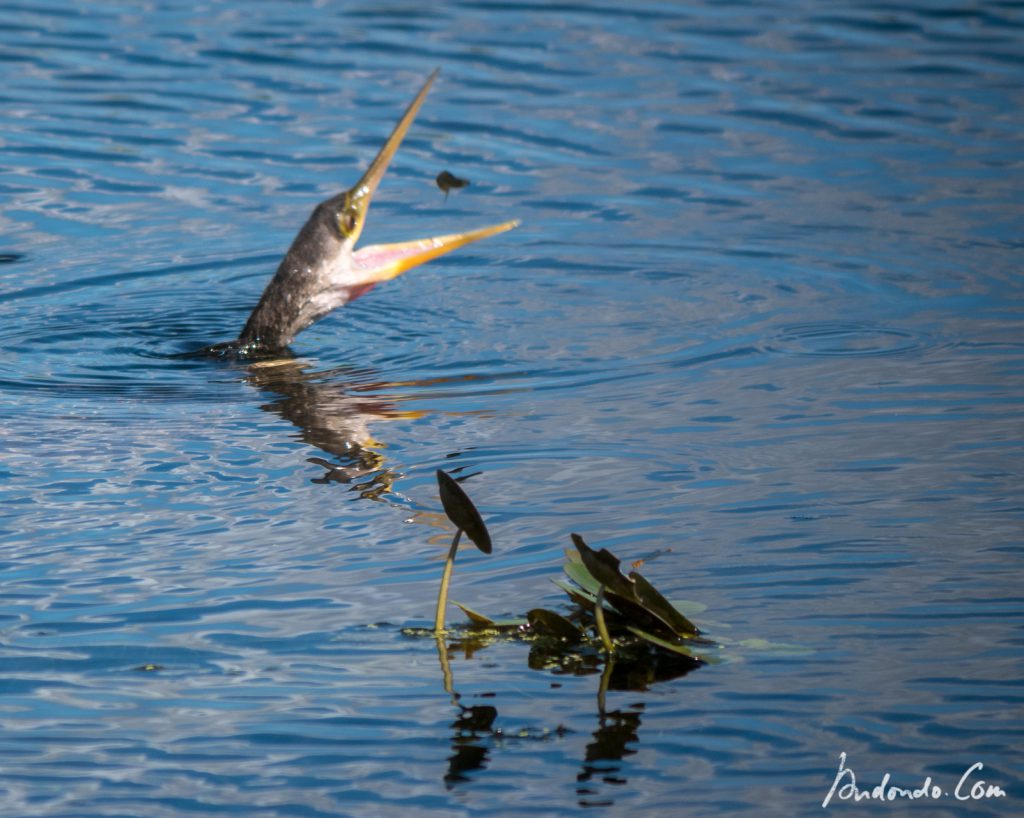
[{"x": 845, "y": 339}]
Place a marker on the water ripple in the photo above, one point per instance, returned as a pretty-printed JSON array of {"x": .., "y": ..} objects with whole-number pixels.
[{"x": 845, "y": 339}]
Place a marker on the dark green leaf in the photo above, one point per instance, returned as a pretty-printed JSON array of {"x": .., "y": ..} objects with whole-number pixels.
[
  {"x": 637, "y": 614},
  {"x": 587, "y": 601},
  {"x": 462, "y": 512},
  {"x": 652, "y": 599},
  {"x": 665, "y": 644},
  {"x": 634, "y": 596},
  {"x": 548, "y": 623},
  {"x": 604, "y": 567}
]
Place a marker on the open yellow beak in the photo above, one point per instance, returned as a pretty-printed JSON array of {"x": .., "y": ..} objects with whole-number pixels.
[{"x": 382, "y": 262}]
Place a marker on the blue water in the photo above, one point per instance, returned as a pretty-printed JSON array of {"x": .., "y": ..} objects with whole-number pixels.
[{"x": 761, "y": 327}]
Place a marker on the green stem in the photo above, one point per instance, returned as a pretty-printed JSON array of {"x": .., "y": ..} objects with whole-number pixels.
[{"x": 442, "y": 597}]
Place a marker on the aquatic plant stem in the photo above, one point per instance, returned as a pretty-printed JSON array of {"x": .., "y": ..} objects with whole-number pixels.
[
  {"x": 602, "y": 627},
  {"x": 442, "y": 596},
  {"x": 602, "y": 688},
  {"x": 446, "y": 668}
]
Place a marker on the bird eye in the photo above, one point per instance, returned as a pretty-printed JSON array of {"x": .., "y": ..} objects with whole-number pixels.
[{"x": 347, "y": 222}]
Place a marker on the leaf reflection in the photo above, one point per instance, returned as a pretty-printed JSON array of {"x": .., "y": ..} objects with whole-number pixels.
[
  {"x": 470, "y": 726},
  {"x": 616, "y": 730},
  {"x": 635, "y": 639}
]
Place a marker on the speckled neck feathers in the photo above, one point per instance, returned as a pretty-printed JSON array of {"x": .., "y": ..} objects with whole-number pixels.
[{"x": 305, "y": 287}]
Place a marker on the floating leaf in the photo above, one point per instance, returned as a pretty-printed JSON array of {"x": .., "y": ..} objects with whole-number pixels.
[
  {"x": 477, "y": 619},
  {"x": 462, "y": 512},
  {"x": 548, "y": 623},
  {"x": 778, "y": 648}
]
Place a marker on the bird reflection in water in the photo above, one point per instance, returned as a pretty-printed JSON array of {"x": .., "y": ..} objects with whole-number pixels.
[{"x": 333, "y": 410}]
